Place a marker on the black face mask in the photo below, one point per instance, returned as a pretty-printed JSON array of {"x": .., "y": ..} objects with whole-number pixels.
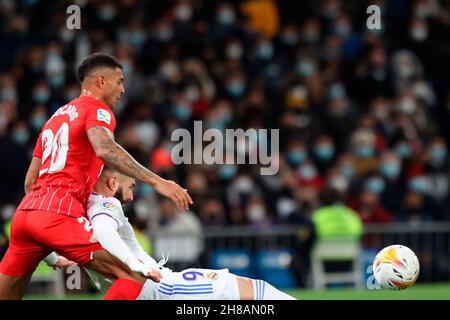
[{"x": 414, "y": 211}]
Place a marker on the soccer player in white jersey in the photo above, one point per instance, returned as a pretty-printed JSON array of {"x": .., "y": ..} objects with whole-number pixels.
[{"x": 114, "y": 232}]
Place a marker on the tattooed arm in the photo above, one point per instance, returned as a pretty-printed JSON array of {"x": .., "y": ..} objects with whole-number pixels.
[{"x": 120, "y": 160}]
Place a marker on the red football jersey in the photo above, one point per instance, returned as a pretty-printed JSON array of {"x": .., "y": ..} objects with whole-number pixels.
[{"x": 69, "y": 168}]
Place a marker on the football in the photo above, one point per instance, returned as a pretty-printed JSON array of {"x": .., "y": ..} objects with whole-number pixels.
[{"x": 396, "y": 267}]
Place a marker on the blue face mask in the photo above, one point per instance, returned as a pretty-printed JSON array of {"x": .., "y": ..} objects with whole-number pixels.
[
  {"x": 225, "y": 17},
  {"x": 390, "y": 169},
  {"x": 182, "y": 112},
  {"x": 290, "y": 39},
  {"x": 348, "y": 171},
  {"x": 418, "y": 184},
  {"x": 375, "y": 185},
  {"x": 41, "y": 96},
  {"x": 228, "y": 171},
  {"x": 57, "y": 80},
  {"x": 403, "y": 150},
  {"x": 37, "y": 122},
  {"x": 137, "y": 38},
  {"x": 365, "y": 151},
  {"x": 265, "y": 51},
  {"x": 307, "y": 172},
  {"x": 21, "y": 137},
  {"x": 145, "y": 190},
  {"x": 236, "y": 89},
  {"x": 7, "y": 95},
  {"x": 305, "y": 69},
  {"x": 438, "y": 154},
  {"x": 324, "y": 152},
  {"x": 296, "y": 157}
]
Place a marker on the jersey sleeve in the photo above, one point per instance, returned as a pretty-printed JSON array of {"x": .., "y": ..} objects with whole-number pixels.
[
  {"x": 37, "y": 152},
  {"x": 111, "y": 207},
  {"x": 100, "y": 116}
]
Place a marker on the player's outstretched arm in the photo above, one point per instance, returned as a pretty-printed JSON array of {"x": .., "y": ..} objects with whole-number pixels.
[
  {"x": 120, "y": 160},
  {"x": 32, "y": 174}
]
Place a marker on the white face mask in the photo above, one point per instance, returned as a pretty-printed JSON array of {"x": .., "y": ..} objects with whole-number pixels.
[
  {"x": 234, "y": 51},
  {"x": 256, "y": 213},
  {"x": 419, "y": 33},
  {"x": 407, "y": 106},
  {"x": 183, "y": 12}
]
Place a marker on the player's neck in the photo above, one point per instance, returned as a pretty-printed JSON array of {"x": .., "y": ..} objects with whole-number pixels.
[
  {"x": 103, "y": 191},
  {"x": 85, "y": 92}
]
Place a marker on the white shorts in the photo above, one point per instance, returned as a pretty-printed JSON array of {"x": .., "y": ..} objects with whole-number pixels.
[{"x": 196, "y": 284}]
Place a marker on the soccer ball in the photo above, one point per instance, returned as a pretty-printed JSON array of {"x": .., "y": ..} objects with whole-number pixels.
[{"x": 396, "y": 267}]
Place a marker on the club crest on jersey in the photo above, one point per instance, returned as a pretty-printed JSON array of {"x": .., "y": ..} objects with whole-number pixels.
[
  {"x": 103, "y": 115},
  {"x": 108, "y": 205},
  {"x": 212, "y": 276}
]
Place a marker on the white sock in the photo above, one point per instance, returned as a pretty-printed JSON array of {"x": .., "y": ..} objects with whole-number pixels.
[
  {"x": 148, "y": 291},
  {"x": 265, "y": 291}
]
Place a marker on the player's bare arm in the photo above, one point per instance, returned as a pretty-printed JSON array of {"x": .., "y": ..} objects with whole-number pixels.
[
  {"x": 119, "y": 159},
  {"x": 32, "y": 174}
]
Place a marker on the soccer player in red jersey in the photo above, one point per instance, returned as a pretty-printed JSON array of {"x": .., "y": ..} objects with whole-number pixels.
[{"x": 72, "y": 148}]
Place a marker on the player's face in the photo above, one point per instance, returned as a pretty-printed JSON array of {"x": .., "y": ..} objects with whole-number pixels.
[
  {"x": 125, "y": 192},
  {"x": 113, "y": 86}
]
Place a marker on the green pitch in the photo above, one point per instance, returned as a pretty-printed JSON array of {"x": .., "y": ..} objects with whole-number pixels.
[{"x": 416, "y": 292}]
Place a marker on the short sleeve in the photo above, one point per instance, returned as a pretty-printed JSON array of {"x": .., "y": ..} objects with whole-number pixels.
[
  {"x": 100, "y": 116},
  {"x": 105, "y": 206},
  {"x": 37, "y": 152}
]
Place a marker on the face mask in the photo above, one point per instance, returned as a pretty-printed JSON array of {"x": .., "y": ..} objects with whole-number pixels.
[
  {"x": 236, "y": 88},
  {"x": 336, "y": 91},
  {"x": 405, "y": 71},
  {"x": 296, "y": 157},
  {"x": 234, "y": 52},
  {"x": 307, "y": 172},
  {"x": 192, "y": 94},
  {"x": 256, "y": 213},
  {"x": 380, "y": 113},
  {"x": 244, "y": 185},
  {"x": 227, "y": 172},
  {"x": 348, "y": 171},
  {"x": 169, "y": 70},
  {"x": 137, "y": 38},
  {"x": 311, "y": 37},
  {"x": 145, "y": 190},
  {"x": 164, "y": 34},
  {"x": 41, "y": 96},
  {"x": 265, "y": 51},
  {"x": 107, "y": 13},
  {"x": 21, "y": 137},
  {"x": 57, "y": 80},
  {"x": 38, "y": 121},
  {"x": 324, "y": 151},
  {"x": 305, "y": 69},
  {"x": 403, "y": 150},
  {"x": 375, "y": 185},
  {"x": 419, "y": 34},
  {"x": 365, "y": 151},
  {"x": 7, "y": 95},
  {"x": 407, "y": 106},
  {"x": 342, "y": 30},
  {"x": 390, "y": 169},
  {"x": 438, "y": 154},
  {"x": 289, "y": 38},
  {"x": 339, "y": 183},
  {"x": 182, "y": 112},
  {"x": 183, "y": 12},
  {"x": 418, "y": 184},
  {"x": 226, "y": 17}
]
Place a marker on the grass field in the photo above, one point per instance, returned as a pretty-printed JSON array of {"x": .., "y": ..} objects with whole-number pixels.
[{"x": 417, "y": 292}]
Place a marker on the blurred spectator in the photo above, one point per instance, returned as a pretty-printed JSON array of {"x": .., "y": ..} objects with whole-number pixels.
[{"x": 178, "y": 234}]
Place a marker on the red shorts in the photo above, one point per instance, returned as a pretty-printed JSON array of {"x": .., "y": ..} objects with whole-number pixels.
[{"x": 35, "y": 234}]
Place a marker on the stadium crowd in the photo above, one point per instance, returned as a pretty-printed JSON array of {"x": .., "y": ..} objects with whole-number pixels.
[{"x": 363, "y": 112}]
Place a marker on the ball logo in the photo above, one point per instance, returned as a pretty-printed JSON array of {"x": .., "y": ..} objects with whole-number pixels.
[
  {"x": 108, "y": 205},
  {"x": 104, "y": 116}
]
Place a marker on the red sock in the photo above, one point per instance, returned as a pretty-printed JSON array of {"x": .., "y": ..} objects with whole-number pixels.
[{"x": 123, "y": 289}]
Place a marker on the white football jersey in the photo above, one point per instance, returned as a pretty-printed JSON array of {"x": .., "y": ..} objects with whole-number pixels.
[{"x": 99, "y": 204}]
